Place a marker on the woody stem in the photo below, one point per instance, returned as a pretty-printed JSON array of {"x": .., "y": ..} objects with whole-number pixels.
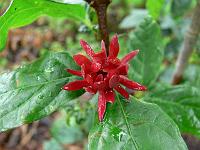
[{"x": 100, "y": 7}]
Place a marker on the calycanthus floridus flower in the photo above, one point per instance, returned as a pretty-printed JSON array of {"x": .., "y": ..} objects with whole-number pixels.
[{"x": 103, "y": 74}]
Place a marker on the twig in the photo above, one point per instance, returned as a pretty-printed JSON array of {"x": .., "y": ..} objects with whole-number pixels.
[
  {"x": 100, "y": 7},
  {"x": 190, "y": 40}
]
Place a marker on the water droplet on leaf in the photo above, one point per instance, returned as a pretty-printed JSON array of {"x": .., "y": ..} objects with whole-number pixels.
[
  {"x": 41, "y": 96},
  {"x": 117, "y": 133}
]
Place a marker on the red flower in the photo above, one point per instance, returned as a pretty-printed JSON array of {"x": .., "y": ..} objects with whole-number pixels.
[{"x": 103, "y": 74}]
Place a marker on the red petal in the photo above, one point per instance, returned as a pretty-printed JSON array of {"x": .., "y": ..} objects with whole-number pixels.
[
  {"x": 89, "y": 79},
  {"x": 129, "y": 56},
  {"x": 81, "y": 59},
  {"x": 99, "y": 78},
  {"x": 83, "y": 70},
  {"x": 114, "y": 81},
  {"x": 110, "y": 96},
  {"x": 87, "y": 48},
  {"x": 122, "y": 91},
  {"x": 99, "y": 85},
  {"x": 114, "y": 47},
  {"x": 95, "y": 67},
  {"x": 91, "y": 89},
  {"x": 101, "y": 105},
  {"x": 114, "y": 61},
  {"x": 122, "y": 70},
  {"x": 75, "y": 85},
  {"x": 74, "y": 72},
  {"x": 131, "y": 84},
  {"x": 100, "y": 57},
  {"x": 112, "y": 64},
  {"x": 103, "y": 47}
]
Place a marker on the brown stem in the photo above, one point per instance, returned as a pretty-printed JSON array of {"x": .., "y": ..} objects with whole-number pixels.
[
  {"x": 100, "y": 7},
  {"x": 190, "y": 40},
  {"x": 101, "y": 13}
]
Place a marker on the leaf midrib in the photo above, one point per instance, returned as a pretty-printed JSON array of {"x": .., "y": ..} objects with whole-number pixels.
[{"x": 127, "y": 123}]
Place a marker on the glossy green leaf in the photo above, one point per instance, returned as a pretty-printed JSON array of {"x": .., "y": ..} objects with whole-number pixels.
[
  {"x": 147, "y": 38},
  {"x": 70, "y": 1},
  {"x": 182, "y": 104},
  {"x": 21, "y": 13},
  {"x": 34, "y": 91},
  {"x": 154, "y": 7},
  {"x": 135, "y": 126}
]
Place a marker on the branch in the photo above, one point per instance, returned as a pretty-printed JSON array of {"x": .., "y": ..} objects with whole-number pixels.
[
  {"x": 190, "y": 40},
  {"x": 100, "y": 7}
]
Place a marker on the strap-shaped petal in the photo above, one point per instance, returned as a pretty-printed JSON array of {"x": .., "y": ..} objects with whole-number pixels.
[
  {"x": 99, "y": 57},
  {"x": 91, "y": 89},
  {"x": 114, "y": 61},
  {"x": 101, "y": 105},
  {"x": 114, "y": 47},
  {"x": 85, "y": 70},
  {"x": 99, "y": 85},
  {"x": 131, "y": 84},
  {"x": 129, "y": 56},
  {"x": 122, "y": 91},
  {"x": 110, "y": 96},
  {"x": 95, "y": 67},
  {"x": 103, "y": 47},
  {"x": 89, "y": 51},
  {"x": 75, "y": 85},
  {"x": 89, "y": 78},
  {"x": 75, "y": 72},
  {"x": 81, "y": 59},
  {"x": 112, "y": 64},
  {"x": 122, "y": 69},
  {"x": 114, "y": 81}
]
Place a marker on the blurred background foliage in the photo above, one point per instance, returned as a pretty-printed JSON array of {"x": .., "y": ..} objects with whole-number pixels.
[{"x": 70, "y": 130}]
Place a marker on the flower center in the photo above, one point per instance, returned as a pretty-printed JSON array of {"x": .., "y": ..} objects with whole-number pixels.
[{"x": 102, "y": 72}]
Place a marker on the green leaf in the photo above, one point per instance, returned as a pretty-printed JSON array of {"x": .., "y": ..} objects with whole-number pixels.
[
  {"x": 179, "y": 7},
  {"x": 182, "y": 104},
  {"x": 147, "y": 38},
  {"x": 70, "y": 1},
  {"x": 134, "y": 19},
  {"x": 191, "y": 74},
  {"x": 65, "y": 134},
  {"x": 34, "y": 91},
  {"x": 135, "y": 126},
  {"x": 52, "y": 144},
  {"x": 154, "y": 7},
  {"x": 22, "y": 13}
]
